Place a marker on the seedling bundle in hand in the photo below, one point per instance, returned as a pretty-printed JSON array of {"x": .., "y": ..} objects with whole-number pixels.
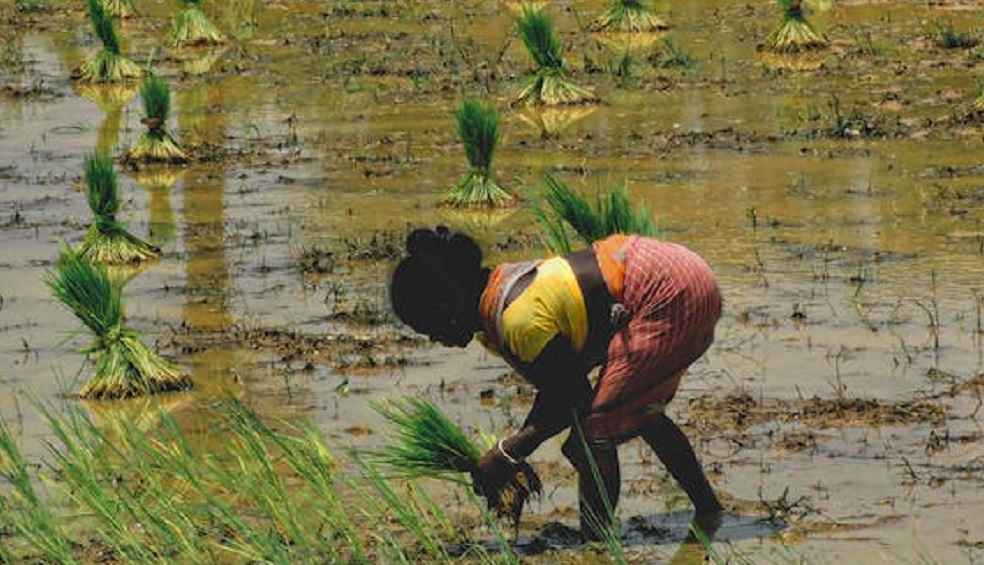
[
  {"x": 549, "y": 84},
  {"x": 156, "y": 144},
  {"x": 124, "y": 366},
  {"x": 192, "y": 27},
  {"x": 108, "y": 65},
  {"x": 478, "y": 128},
  {"x": 794, "y": 33},
  {"x": 565, "y": 211},
  {"x": 427, "y": 444},
  {"x": 107, "y": 240},
  {"x": 631, "y": 16}
]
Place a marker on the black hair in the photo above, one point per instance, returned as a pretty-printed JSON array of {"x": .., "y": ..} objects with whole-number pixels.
[{"x": 437, "y": 286}]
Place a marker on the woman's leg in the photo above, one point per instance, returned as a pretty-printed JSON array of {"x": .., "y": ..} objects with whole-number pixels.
[
  {"x": 677, "y": 455},
  {"x": 598, "y": 495}
]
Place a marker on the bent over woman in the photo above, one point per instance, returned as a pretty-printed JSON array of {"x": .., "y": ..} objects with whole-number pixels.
[{"x": 642, "y": 309}]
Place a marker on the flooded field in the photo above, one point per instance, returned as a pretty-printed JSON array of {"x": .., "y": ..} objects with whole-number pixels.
[{"x": 838, "y": 196}]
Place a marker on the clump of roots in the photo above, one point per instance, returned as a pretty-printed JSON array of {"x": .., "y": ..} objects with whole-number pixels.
[
  {"x": 632, "y": 16},
  {"x": 156, "y": 145},
  {"x": 549, "y": 84},
  {"x": 124, "y": 366},
  {"x": 118, "y": 8},
  {"x": 108, "y": 65},
  {"x": 191, "y": 27},
  {"x": 794, "y": 34},
  {"x": 478, "y": 128},
  {"x": 107, "y": 240}
]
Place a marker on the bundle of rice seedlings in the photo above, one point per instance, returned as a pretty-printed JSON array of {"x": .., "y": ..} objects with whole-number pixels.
[
  {"x": 631, "y": 16},
  {"x": 478, "y": 128},
  {"x": 549, "y": 84},
  {"x": 107, "y": 240},
  {"x": 124, "y": 366},
  {"x": 109, "y": 65},
  {"x": 794, "y": 33},
  {"x": 428, "y": 444},
  {"x": 156, "y": 144},
  {"x": 191, "y": 27},
  {"x": 565, "y": 211},
  {"x": 118, "y": 8}
]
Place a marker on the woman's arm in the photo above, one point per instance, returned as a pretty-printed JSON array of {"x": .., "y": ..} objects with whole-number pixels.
[{"x": 562, "y": 391}]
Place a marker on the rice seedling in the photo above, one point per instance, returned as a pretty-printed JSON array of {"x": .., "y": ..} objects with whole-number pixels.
[
  {"x": 947, "y": 37},
  {"x": 156, "y": 144},
  {"x": 118, "y": 8},
  {"x": 107, "y": 240},
  {"x": 565, "y": 211},
  {"x": 794, "y": 34},
  {"x": 191, "y": 27},
  {"x": 428, "y": 444},
  {"x": 108, "y": 65},
  {"x": 549, "y": 84},
  {"x": 478, "y": 128},
  {"x": 631, "y": 16},
  {"x": 123, "y": 366}
]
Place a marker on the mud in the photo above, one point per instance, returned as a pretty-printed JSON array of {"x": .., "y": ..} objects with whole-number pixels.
[{"x": 838, "y": 199}]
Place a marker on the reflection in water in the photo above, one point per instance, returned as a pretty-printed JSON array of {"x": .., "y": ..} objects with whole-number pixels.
[{"x": 158, "y": 184}]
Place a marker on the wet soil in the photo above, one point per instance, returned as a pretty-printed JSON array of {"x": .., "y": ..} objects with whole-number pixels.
[{"x": 838, "y": 199}]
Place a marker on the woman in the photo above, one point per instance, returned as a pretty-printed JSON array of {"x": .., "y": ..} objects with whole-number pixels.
[{"x": 642, "y": 309}]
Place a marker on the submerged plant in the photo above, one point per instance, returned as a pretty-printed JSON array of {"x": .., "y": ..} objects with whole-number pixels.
[
  {"x": 428, "y": 444},
  {"x": 107, "y": 240},
  {"x": 549, "y": 84},
  {"x": 118, "y": 8},
  {"x": 192, "y": 27},
  {"x": 108, "y": 65},
  {"x": 156, "y": 144},
  {"x": 124, "y": 366},
  {"x": 566, "y": 211},
  {"x": 629, "y": 16},
  {"x": 478, "y": 128},
  {"x": 795, "y": 33}
]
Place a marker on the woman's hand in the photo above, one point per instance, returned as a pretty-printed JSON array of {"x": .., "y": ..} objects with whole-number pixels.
[{"x": 495, "y": 474}]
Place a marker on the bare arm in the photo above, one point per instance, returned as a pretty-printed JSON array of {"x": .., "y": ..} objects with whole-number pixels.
[{"x": 562, "y": 391}]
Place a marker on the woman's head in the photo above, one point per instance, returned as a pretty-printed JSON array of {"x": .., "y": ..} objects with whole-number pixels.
[{"x": 436, "y": 288}]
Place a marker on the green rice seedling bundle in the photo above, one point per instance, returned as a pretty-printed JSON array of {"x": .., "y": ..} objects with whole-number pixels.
[
  {"x": 191, "y": 27},
  {"x": 549, "y": 84},
  {"x": 124, "y": 366},
  {"x": 478, "y": 128},
  {"x": 794, "y": 34},
  {"x": 632, "y": 16},
  {"x": 118, "y": 8},
  {"x": 156, "y": 144},
  {"x": 428, "y": 444},
  {"x": 109, "y": 64},
  {"x": 564, "y": 211},
  {"x": 107, "y": 240}
]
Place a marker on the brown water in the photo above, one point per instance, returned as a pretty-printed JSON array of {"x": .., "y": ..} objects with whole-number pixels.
[{"x": 337, "y": 127}]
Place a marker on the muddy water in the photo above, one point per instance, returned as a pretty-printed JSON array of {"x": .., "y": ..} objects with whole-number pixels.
[{"x": 319, "y": 130}]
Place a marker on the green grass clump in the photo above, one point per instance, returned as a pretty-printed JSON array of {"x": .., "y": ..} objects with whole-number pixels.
[
  {"x": 108, "y": 65},
  {"x": 428, "y": 444},
  {"x": 947, "y": 37},
  {"x": 632, "y": 16},
  {"x": 478, "y": 128},
  {"x": 549, "y": 84},
  {"x": 118, "y": 8},
  {"x": 794, "y": 34},
  {"x": 564, "y": 211},
  {"x": 107, "y": 240},
  {"x": 156, "y": 145},
  {"x": 124, "y": 366},
  {"x": 191, "y": 27}
]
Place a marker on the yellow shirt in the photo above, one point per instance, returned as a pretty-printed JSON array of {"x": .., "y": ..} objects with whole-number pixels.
[{"x": 551, "y": 305}]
